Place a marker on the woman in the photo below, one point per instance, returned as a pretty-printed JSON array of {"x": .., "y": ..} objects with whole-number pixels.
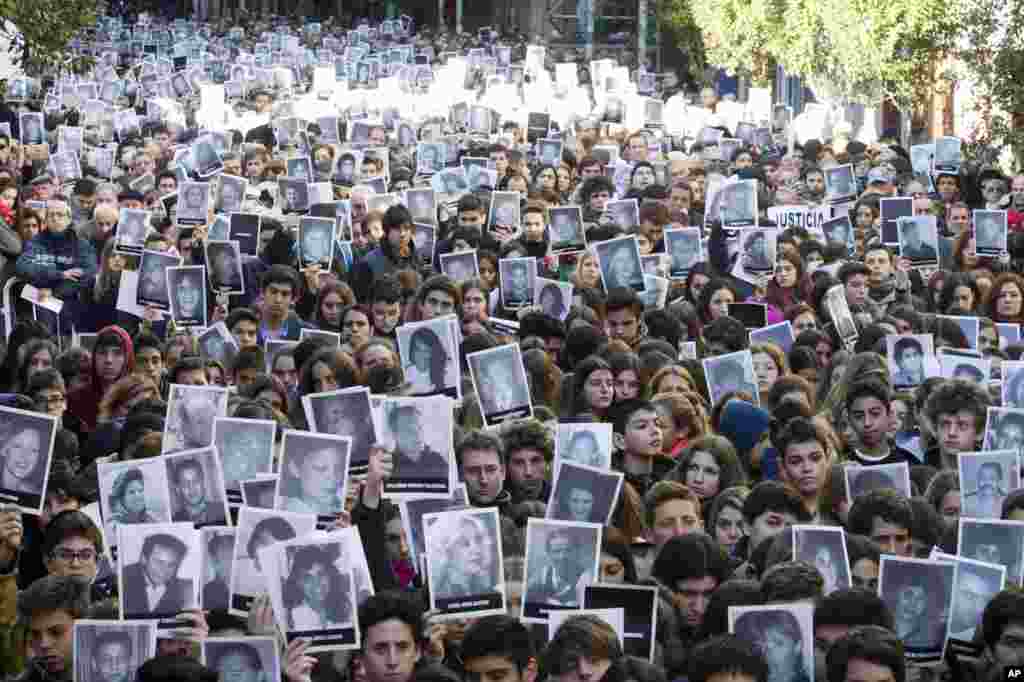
[
  {"x": 465, "y": 561},
  {"x": 682, "y": 417},
  {"x": 39, "y": 354},
  {"x": 672, "y": 379},
  {"x": 328, "y": 369},
  {"x": 708, "y": 466},
  {"x": 317, "y": 595},
  {"x": 332, "y": 298},
  {"x": 546, "y": 179},
  {"x": 474, "y": 301},
  {"x": 1006, "y": 299},
  {"x": 724, "y": 521},
  {"x": 103, "y": 291},
  {"x": 24, "y": 454},
  {"x": 588, "y": 272},
  {"x": 784, "y": 287},
  {"x": 128, "y": 499},
  {"x": 959, "y": 295},
  {"x": 311, "y": 481},
  {"x": 626, "y": 370},
  {"x": 583, "y": 448},
  {"x": 593, "y": 388},
  {"x": 769, "y": 364},
  {"x": 565, "y": 182},
  {"x": 429, "y": 360},
  {"x": 808, "y": 471},
  {"x": 642, "y": 177},
  {"x": 715, "y": 300}
]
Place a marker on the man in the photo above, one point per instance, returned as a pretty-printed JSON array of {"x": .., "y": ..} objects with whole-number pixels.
[
  {"x": 413, "y": 456},
  {"x": 518, "y": 291},
  {"x": 912, "y": 247},
  {"x": 986, "y": 500},
  {"x": 685, "y": 253},
  {"x": 779, "y": 636},
  {"x": 688, "y": 570},
  {"x": 151, "y": 585},
  {"x": 988, "y": 233},
  {"x": 346, "y": 169},
  {"x": 528, "y": 450},
  {"x": 670, "y": 510},
  {"x": 563, "y": 225},
  {"x": 280, "y": 288},
  {"x": 836, "y": 614},
  {"x": 237, "y": 661},
  {"x": 869, "y": 406},
  {"x": 867, "y": 653},
  {"x": 769, "y": 509},
  {"x": 226, "y": 270},
  {"x": 971, "y": 595},
  {"x": 390, "y": 624},
  {"x": 188, "y": 297},
  {"x": 854, "y": 276},
  {"x": 994, "y": 545},
  {"x": 909, "y": 358},
  {"x": 559, "y": 579},
  {"x": 49, "y": 609},
  {"x": 737, "y": 204},
  {"x": 637, "y": 439},
  {"x": 219, "y": 548},
  {"x": 884, "y": 516},
  {"x": 397, "y": 251},
  {"x": 230, "y": 200},
  {"x": 621, "y": 267},
  {"x": 57, "y": 259},
  {"x": 111, "y": 659},
  {"x": 482, "y": 467},
  {"x": 188, "y": 491},
  {"x": 957, "y": 410},
  {"x": 243, "y": 454},
  {"x": 727, "y": 657},
  {"x": 498, "y": 649},
  {"x": 31, "y": 130},
  {"x": 1002, "y": 626},
  {"x": 623, "y": 312}
]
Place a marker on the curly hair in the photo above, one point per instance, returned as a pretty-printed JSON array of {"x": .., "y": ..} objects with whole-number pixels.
[
  {"x": 954, "y": 395},
  {"x": 124, "y": 390},
  {"x": 338, "y": 601}
]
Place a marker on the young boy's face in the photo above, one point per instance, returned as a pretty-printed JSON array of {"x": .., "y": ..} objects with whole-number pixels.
[{"x": 471, "y": 218}]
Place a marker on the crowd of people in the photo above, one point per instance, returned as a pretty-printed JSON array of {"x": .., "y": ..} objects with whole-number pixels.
[{"x": 719, "y": 445}]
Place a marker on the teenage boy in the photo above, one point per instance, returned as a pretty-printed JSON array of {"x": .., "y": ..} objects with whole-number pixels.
[
  {"x": 498, "y": 649},
  {"x": 956, "y": 410},
  {"x": 868, "y": 404},
  {"x": 770, "y": 508},
  {"x": 244, "y": 325},
  {"x": 49, "y": 608},
  {"x": 397, "y": 251},
  {"x": 867, "y": 653},
  {"x": 836, "y": 614},
  {"x": 528, "y": 450},
  {"x": 386, "y": 306},
  {"x": 390, "y": 624},
  {"x": 438, "y": 296},
  {"x": 279, "y": 288},
  {"x": 726, "y": 657},
  {"x": 149, "y": 357},
  {"x": 113, "y": 357},
  {"x": 623, "y": 315},
  {"x": 670, "y": 510},
  {"x": 884, "y": 516},
  {"x": 637, "y": 439}
]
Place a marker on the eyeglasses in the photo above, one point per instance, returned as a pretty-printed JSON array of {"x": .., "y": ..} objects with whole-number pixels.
[{"x": 69, "y": 555}]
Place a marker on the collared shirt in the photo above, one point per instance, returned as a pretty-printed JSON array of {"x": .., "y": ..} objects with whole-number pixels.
[{"x": 154, "y": 593}]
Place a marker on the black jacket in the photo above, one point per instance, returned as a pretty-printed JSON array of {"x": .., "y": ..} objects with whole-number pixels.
[{"x": 176, "y": 598}]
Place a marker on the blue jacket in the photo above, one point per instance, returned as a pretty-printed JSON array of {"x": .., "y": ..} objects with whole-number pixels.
[{"x": 48, "y": 255}]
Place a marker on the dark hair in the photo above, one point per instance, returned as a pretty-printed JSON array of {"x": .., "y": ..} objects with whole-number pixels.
[
  {"x": 620, "y": 413},
  {"x": 396, "y": 216},
  {"x": 580, "y": 637},
  {"x": 243, "y": 649},
  {"x": 71, "y": 524},
  {"x": 174, "y": 668},
  {"x": 887, "y": 505},
  {"x": 281, "y": 274},
  {"x": 105, "y": 637},
  {"x": 239, "y": 314},
  {"x": 852, "y": 608},
  {"x": 339, "y": 606},
  {"x": 164, "y": 540},
  {"x": 726, "y": 655},
  {"x": 390, "y": 605},
  {"x": 1006, "y": 608},
  {"x": 249, "y": 358},
  {"x": 868, "y": 643},
  {"x": 275, "y": 527},
  {"x": 54, "y": 593},
  {"x": 798, "y": 430},
  {"x": 501, "y": 636},
  {"x": 791, "y": 580},
  {"x": 773, "y": 496},
  {"x": 690, "y": 556},
  {"x": 869, "y": 387}
]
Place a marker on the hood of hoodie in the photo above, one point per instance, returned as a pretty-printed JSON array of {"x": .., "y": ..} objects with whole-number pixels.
[
  {"x": 126, "y": 346},
  {"x": 743, "y": 424}
]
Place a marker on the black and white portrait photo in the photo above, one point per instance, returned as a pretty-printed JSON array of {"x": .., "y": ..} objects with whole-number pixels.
[
  {"x": 861, "y": 480},
  {"x": 259, "y": 492},
  {"x": 550, "y": 152},
  {"x": 190, "y": 414},
  {"x": 639, "y": 604},
  {"x": 947, "y": 154},
  {"x": 840, "y": 184},
  {"x": 430, "y": 157},
  {"x": 451, "y": 181},
  {"x": 986, "y": 478},
  {"x": 224, "y": 263},
  {"x": 919, "y": 593},
  {"x": 780, "y": 333},
  {"x": 346, "y": 412},
  {"x": 243, "y": 659},
  {"x": 783, "y": 633},
  {"x": 187, "y": 287},
  {"x": 683, "y": 245},
  {"x": 625, "y": 213},
  {"x": 217, "y": 343},
  {"x": 312, "y": 591},
  {"x": 504, "y": 212},
  {"x": 133, "y": 493},
  {"x": 231, "y": 193},
  {"x": 111, "y": 651},
  {"x": 1013, "y": 380},
  {"x": 993, "y": 541},
  {"x": 382, "y": 202},
  {"x": 990, "y": 228},
  {"x": 589, "y": 444},
  {"x": 516, "y": 278},
  {"x": 217, "y": 549},
  {"x": 422, "y": 205},
  {"x": 499, "y": 380},
  {"x": 430, "y": 360},
  {"x": 976, "y": 584},
  {"x": 1004, "y": 429},
  {"x": 244, "y": 229},
  {"x": 30, "y": 126},
  {"x": 331, "y": 338},
  {"x": 906, "y": 356},
  {"x": 316, "y": 239},
  {"x": 839, "y": 311},
  {"x": 554, "y": 297},
  {"x": 424, "y": 236},
  {"x": 292, "y": 195},
  {"x": 759, "y": 244},
  {"x": 731, "y": 373},
  {"x": 824, "y": 547},
  {"x": 465, "y": 562},
  {"x": 193, "y": 203},
  {"x": 246, "y": 450},
  {"x": 66, "y": 166},
  {"x": 26, "y": 448},
  {"x": 561, "y": 560},
  {"x": 158, "y": 568},
  {"x": 346, "y": 170},
  {"x": 566, "y": 228},
  {"x": 314, "y": 473},
  {"x": 300, "y": 168},
  {"x": 965, "y": 367},
  {"x": 197, "y": 488},
  {"x": 257, "y": 529},
  {"x": 918, "y": 240},
  {"x": 418, "y": 433},
  {"x": 619, "y": 261},
  {"x": 207, "y": 155},
  {"x": 460, "y": 265},
  {"x": 583, "y": 493},
  {"x": 738, "y": 203},
  {"x": 839, "y": 231},
  {"x": 480, "y": 119},
  {"x": 152, "y": 290},
  {"x": 132, "y": 228}
]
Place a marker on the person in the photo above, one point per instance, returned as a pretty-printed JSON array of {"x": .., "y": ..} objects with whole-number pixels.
[
  {"x": 562, "y": 572},
  {"x": 737, "y": 203},
  {"x": 868, "y": 652},
  {"x": 316, "y": 244},
  {"x": 912, "y": 245},
  {"x": 909, "y": 358},
  {"x": 111, "y": 657},
  {"x": 583, "y": 448},
  {"x": 778, "y": 636},
  {"x": 972, "y": 594},
  {"x": 496, "y": 385},
  {"x": 988, "y": 232},
  {"x": 426, "y": 372},
  {"x": 390, "y": 623},
  {"x": 621, "y": 268},
  {"x": 153, "y": 281},
  {"x": 58, "y": 259},
  {"x": 576, "y": 502},
  {"x": 237, "y": 661},
  {"x": 316, "y": 594},
  {"x": 986, "y": 500},
  {"x": 1008, "y": 432},
  {"x": 128, "y": 503},
  {"x": 1002, "y": 628},
  {"x": 499, "y": 647},
  {"x": 685, "y": 252},
  {"x": 194, "y": 205},
  {"x": 465, "y": 559},
  {"x": 219, "y": 550},
  {"x": 225, "y": 267},
  {"x": 195, "y": 414},
  {"x": 840, "y": 612},
  {"x": 563, "y": 227},
  {"x": 840, "y": 233},
  {"x": 729, "y": 376},
  {"x": 915, "y": 598},
  {"x": 190, "y": 499},
  {"x": 312, "y": 478},
  {"x": 995, "y": 545},
  {"x": 31, "y": 130},
  {"x": 152, "y": 585},
  {"x": 413, "y": 455},
  {"x": 230, "y": 199},
  {"x": 727, "y": 657},
  {"x": 24, "y": 455},
  {"x": 49, "y": 608}
]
